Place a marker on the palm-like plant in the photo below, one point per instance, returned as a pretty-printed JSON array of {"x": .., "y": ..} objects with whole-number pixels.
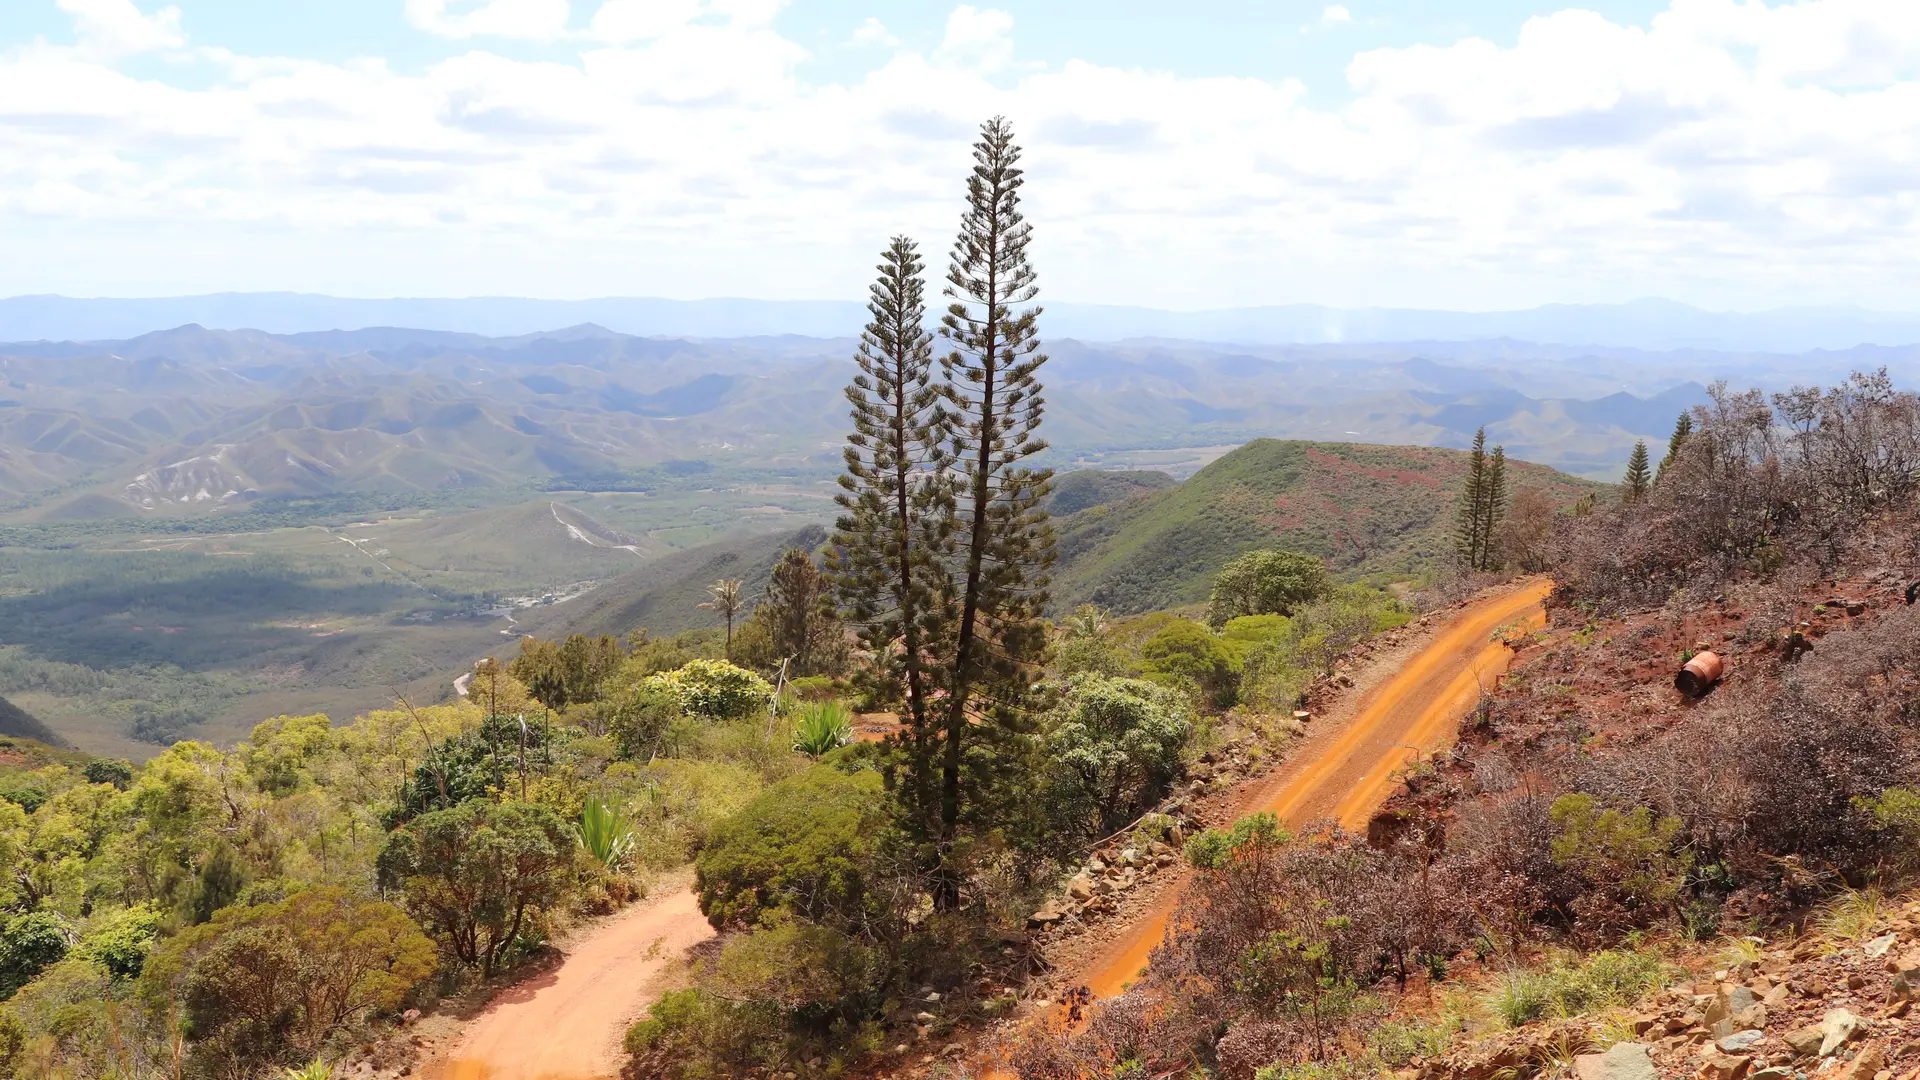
[
  {"x": 604, "y": 833},
  {"x": 317, "y": 1069},
  {"x": 726, "y": 602},
  {"x": 824, "y": 726}
]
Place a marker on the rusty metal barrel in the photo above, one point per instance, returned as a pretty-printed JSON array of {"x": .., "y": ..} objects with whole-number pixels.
[{"x": 1700, "y": 674}]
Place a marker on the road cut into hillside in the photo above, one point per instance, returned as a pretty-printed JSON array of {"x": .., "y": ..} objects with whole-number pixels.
[
  {"x": 1344, "y": 769},
  {"x": 568, "y": 1023}
]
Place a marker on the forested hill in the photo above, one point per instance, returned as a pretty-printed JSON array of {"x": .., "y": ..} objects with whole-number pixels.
[{"x": 1364, "y": 509}]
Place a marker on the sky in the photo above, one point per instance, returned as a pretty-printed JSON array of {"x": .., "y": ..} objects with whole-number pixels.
[{"x": 1470, "y": 155}]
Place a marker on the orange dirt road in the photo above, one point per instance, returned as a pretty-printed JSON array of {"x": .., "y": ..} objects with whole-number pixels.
[
  {"x": 1346, "y": 773},
  {"x": 567, "y": 1024}
]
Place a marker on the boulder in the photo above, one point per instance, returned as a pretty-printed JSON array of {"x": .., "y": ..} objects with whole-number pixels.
[
  {"x": 1080, "y": 887},
  {"x": 1838, "y": 1028},
  {"x": 1865, "y": 1065},
  {"x": 1878, "y": 947},
  {"x": 1717, "y": 1066},
  {"x": 1805, "y": 1042},
  {"x": 1624, "y": 1061},
  {"x": 1741, "y": 1042},
  {"x": 1048, "y": 914},
  {"x": 1905, "y": 985},
  {"x": 1777, "y": 1072}
]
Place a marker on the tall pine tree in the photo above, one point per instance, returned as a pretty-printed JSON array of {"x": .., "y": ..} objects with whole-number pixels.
[
  {"x": 1483, "y": 503},
  {"x": 1639, "y": 475},
  {"x": 1473, "y": 496},
  {"x": 896, "y": 518},
  {"x": 1004, "y": 543},
  {"x": 1682, "y": 428},
  {"x": 1495, "y": 511}
]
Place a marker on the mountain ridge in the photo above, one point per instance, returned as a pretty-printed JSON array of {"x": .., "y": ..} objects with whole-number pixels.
[{"x": 1643, "y": 323}]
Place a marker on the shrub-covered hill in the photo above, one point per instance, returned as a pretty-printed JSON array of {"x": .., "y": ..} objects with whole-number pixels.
[
  {"x": 1077, "y": 491},
  {"x": 664, "y": 596},
  {"x": 1365, "y": 509},
  {"x": 18, "y": 722}
]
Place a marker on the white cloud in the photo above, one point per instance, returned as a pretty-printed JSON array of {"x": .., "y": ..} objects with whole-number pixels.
[
  {"x": 1728, "y": 153},
  {"x": 874, "y": 32},
  {"x": 641, "y": 20},
  {"x": 538, "y": 20},
  {"x": 109, "y": 28},
  {"x": 977, "y": 38},
  {"x": 1335, "y": 13}
]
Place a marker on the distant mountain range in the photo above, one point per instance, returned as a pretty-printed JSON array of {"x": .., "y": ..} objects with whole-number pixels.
[
  {"x": 1641, "y": 324},
  {"x": 190, "y": 420}
]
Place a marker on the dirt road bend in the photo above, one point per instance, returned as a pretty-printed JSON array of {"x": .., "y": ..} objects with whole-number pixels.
[
  {"x": 1344, "y": 769},
  {"x": 567, "y": 1024}
]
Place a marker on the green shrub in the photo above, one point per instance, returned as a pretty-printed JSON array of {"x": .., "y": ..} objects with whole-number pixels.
[
  {"x": 121, "y": 943},
  {"x": 1114, "y": 745},
  {"x": 1397, "y": 1042},
  {"x": 694, "y": 1035},
  {"x": 679, "y": 803},
  {"x": 1266, "y": 583},
  {"x": 1214, "y": 848},
  {"x": 1252, "y": 630},
  {"x": 1627, "y": 856},
  {"x": 1185, "y": 652},
  {"x": 811, "y": 971},
  {"x": 30, "y": 943},
  {"x": 804, "y": 844},
  {"x": 715, "y": 689},
  {"x": 638, "y": 712}
]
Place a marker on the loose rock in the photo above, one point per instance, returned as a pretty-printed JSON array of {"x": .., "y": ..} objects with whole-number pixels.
[{"x": 1624, "y": 1061}]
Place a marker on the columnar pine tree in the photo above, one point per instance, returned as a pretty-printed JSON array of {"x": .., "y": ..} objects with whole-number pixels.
[
  {"x": 1682, "y": 428},
  {"x": 1483, "y": 503},
  {"x": 1004, "y": 544},
  {"x": 1639, "y": 475},
  {"x": 896, "y": 517},
  {"x": 1473, "y": 495},
  {"x": 1495, "y": 511}
]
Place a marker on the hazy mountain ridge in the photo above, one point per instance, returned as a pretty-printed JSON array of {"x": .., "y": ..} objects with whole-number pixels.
[
  {"x": 191, "y": 418},
  {"x": 1646, "y": 323}
]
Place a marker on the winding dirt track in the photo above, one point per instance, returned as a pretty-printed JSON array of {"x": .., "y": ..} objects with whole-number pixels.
[
  {"x": 1344, "y": 771},
  {"x": 567, "y": 1023}
]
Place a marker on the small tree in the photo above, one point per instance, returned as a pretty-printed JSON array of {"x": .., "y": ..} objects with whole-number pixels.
[
  {"x": 477, "y": 871},
  {"x": 1117, "y": 743},
  {"x": 1639, "y": 475},
  {"x": 1682, "y": 428},
  {"x": 725, "y": 601},
  {"x": 1266, "y": 583},
  {"x": 804, "y": 626},
  {"x": 271, "y": 983}
]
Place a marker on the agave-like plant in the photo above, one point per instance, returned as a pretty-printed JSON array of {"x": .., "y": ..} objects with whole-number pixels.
[
  {"x": 824, "y": 726},
  {"x": 605, "y": 833},
  {"x": 317, "y": 1069}
]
